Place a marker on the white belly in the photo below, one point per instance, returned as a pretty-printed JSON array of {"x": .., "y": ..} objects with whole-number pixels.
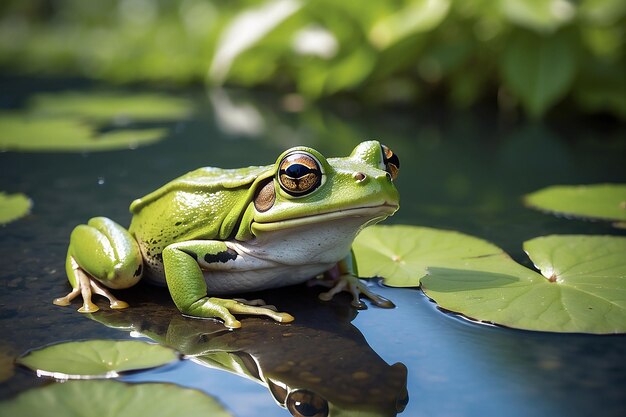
[{"x": 280, "y": 258}]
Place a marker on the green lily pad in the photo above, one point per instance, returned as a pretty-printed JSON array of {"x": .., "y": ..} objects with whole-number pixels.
[
  {"x": 401, "y": 254},
  {"x": 67, "y": 135},
  {"x": 71, "y": 122},
  {"x": 112, "y": 398},
  {"x": 581, "y": 288},
  {"x": 600, "y": 201},
  {"x": 105, "y": 106},
  {"x": 13, "y": 206},
  {"x": 96, "y": 358}
]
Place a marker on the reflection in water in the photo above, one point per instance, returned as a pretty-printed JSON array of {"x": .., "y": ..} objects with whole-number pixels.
[{"x": 320, "y": 365}]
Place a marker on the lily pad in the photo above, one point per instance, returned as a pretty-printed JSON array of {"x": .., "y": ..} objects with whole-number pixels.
[
  {"x": 581, "y": 288},
  {"x": 401, "y": 254},
  {"x": 13, "y": 206},
  {"x": 105, "y": 106},
  {"x": 96, "y": 358},
  {"x": 27, "y": 134},
  {"x": 112, "y": 398},
  {"x": 600, "y": 201},
  {"x": 71, "y": 121}
]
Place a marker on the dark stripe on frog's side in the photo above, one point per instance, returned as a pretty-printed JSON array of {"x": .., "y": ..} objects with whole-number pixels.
[
  {"x": 139, "y": 270},
  {"x": 223, "y": 257}
]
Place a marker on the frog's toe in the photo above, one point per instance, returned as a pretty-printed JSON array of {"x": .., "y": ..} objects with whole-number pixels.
[
  {"x": 380, "y": 301},
  {"x": 114, "y": 303},
  {"x": 231, "y": 322},
  {"x": 88, "y": 307},
  {"x": 237, "y": 307},
  {"x": 356, "y": 288},
  {"x": 118, "y": 305},
  {"x": 67, "y": 300}
]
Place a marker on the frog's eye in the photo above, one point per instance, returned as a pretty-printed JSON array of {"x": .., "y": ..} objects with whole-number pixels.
[
  {"x": 391, "y": 161},
  {"x": 299, "y": 173},
  {"x": 303, "y": 403}
]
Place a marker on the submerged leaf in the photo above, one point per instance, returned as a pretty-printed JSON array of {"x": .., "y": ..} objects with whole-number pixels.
[
  {"x": 600, "y": 201},
  {"x": 112, "y": 398},
  {"x": 96, "y": 358},
  {"x": 13, "y": 206}
]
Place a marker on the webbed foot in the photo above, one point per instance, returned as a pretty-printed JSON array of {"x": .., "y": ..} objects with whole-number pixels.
[
  {"x": 86, "y": 286},
  {"x": 225, "y": 309},
  {"x": 353, "y": 285}
]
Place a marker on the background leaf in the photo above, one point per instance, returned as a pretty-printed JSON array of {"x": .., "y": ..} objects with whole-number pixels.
[{"x": 539, "y": 70}]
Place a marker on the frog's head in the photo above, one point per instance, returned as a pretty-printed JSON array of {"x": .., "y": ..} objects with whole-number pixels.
[{"x": 305, "y": 188}]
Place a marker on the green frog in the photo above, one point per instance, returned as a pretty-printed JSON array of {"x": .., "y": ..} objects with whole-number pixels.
[{"x": 219, "y": 231}]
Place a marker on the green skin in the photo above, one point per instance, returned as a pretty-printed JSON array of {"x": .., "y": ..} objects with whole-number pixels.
[{"x": 207, "y": 232}]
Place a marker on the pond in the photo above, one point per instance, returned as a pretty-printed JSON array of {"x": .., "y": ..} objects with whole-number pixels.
[{"x": 461, "y": 170}]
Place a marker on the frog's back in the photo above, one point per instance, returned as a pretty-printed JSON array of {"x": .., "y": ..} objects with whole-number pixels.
[{"x": 204, "y": 204}]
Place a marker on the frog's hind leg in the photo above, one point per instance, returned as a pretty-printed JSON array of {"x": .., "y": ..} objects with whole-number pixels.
[{"x": 101, "y": 254}]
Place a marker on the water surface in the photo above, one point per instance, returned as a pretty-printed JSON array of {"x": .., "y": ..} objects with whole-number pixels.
[{"x": 464, "y": 171}]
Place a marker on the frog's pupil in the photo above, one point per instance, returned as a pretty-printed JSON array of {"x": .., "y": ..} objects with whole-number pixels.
[{"x": 297, "y": 170}]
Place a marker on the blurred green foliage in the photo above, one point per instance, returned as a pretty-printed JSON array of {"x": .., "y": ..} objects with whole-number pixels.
[{"x": 533, "y": 54}]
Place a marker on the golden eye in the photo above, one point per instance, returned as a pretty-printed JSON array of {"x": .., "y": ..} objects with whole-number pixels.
[
  {"x": 299, "y": 173},
  {"x": 391, "y": 161}
]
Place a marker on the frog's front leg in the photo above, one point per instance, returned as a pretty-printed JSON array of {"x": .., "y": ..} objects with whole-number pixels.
[
  {"x": 101, "y": 254},
  {"x": 185, "y": 281},
  {"x": 344, "y": 277}
]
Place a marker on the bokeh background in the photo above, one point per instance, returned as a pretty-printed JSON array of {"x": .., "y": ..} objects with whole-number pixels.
[{"x": 531, "y": 56}]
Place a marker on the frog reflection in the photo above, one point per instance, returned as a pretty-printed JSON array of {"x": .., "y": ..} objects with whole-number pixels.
[{"x": 317, "y": 366}]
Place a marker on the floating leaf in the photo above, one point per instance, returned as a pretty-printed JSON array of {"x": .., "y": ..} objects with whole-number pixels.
[
  {"x": 583, "y": 287},
  {"x": 96, "y": 358},
  {"x": 112, "y": 398},
  {"x": 24, "y": 134},
  {"x": 106, "y": 106},
  {"x": 601, "y": 201},
  {"x": 13, "y": 206},
  {"x": 402, "y": 253}
]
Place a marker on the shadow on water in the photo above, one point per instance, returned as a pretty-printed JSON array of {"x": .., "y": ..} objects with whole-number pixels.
[{"x": 460, "y": 171}]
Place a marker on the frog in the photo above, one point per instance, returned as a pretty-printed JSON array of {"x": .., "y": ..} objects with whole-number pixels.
[{"x": 213, "y": 233}]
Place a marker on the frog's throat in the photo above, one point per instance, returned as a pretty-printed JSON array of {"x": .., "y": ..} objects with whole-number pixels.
[{"x": 368, "y": 214}]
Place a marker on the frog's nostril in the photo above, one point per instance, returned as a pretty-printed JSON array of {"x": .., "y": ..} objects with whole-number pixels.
[{"x": 359, "y": 176}]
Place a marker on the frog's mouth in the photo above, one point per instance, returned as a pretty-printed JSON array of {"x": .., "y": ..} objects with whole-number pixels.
[{"x": 369, "y": 213}]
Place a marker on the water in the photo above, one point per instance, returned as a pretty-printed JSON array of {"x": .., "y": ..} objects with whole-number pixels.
[{"x": 464, "y": 171}]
